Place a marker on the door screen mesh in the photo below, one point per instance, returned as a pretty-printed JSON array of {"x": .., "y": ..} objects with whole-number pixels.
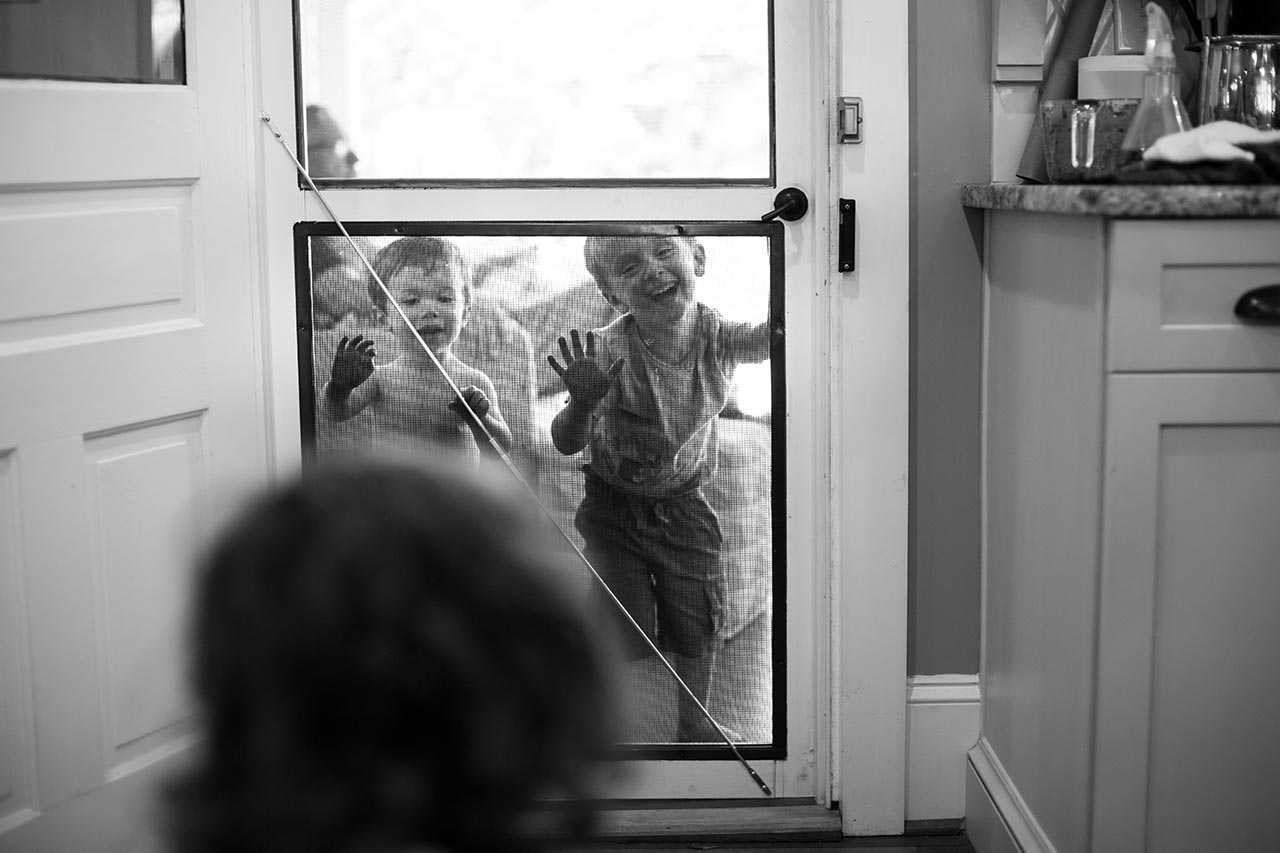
[{"x": 676, "y": 498}]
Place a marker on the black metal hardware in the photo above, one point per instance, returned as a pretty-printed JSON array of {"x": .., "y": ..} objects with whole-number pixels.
[
  {"x": 848, "y": 225},
  {"x": 790, "y": 204},
  {"x": 1260, "y": 305}
]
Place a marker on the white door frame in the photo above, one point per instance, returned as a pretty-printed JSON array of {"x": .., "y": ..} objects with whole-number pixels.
[
  {"x": 860, "y": 597},
  {"x": 869, "y": 408}
]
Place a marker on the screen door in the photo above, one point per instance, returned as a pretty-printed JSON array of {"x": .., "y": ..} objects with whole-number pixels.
[
  {"x": 517, "y": 130},
  {"x": 713, "y": 442}
]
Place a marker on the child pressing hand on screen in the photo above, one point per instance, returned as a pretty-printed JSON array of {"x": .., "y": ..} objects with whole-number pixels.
[{"x": 411, "y": 402}]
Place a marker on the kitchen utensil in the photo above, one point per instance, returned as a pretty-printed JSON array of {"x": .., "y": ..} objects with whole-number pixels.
[
  {"x": 1205, "y": 12},
  {"x": 1082, "y": 137},
  {"x": 1189, "y": 12},
  {"x": 1060, "y": 73},
  {"x": 1238, "y": 80}
]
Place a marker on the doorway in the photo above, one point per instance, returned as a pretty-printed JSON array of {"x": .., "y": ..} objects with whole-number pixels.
[
  {"x": 767, "y": 117},
  {"x": 189, "y": 164}
]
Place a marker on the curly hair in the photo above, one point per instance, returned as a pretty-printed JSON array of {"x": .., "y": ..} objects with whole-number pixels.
[{"x": 385, "y": 658}]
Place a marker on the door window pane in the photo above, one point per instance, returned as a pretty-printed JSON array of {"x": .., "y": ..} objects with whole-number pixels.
[
  {"x": 541, "y": 90},
  {"x": 685, "y": 444},
  {"x": 125, "y": 41}
]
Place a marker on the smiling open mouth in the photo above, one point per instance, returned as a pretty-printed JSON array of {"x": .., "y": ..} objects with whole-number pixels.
[{"x": 666, "y": 292}]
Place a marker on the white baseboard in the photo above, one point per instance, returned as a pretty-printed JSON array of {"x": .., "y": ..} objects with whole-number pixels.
[
  {"x": 942, "y": 724},
  {"x": 120, "y": 815},
  {"x": 997, "y": 819}
]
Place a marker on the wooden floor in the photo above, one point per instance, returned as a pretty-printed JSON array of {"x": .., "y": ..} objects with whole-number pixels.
[
  {"x": 954, "y": 842},
  {"x": 737, "y": 827},
  {"x": 895, "y": 844}
]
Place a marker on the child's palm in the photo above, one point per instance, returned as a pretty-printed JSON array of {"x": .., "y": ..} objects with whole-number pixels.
[
  {"x": 586, "y": 382},
  {"x": 353, "y": 362}
]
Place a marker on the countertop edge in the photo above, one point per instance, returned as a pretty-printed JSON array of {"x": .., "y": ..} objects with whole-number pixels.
[{"x": 1128, "y": 201}]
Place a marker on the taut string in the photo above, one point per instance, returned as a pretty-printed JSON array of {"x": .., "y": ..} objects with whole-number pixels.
[{"x": 506, "y": 460}]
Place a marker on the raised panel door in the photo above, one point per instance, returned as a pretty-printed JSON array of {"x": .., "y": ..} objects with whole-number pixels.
[
  {"x": 132, "y": 390},
  {"x": 1187, "y": 738}
]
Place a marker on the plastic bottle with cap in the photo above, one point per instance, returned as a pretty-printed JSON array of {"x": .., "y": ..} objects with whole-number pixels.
[{"x": 1161, "y": 111}]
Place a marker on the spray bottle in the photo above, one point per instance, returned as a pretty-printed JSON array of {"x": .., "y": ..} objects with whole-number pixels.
[{"x": 1160, "y": 112}]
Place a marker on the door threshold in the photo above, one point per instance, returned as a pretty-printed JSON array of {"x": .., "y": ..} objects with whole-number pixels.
[{"x": 738, "y": 821}]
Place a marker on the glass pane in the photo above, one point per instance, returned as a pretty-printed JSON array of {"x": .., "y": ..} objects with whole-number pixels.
[
  {"x": 678, "y": 512},
  {"x": 124, "y": 41},
  {"x": 489, "y": 90}
]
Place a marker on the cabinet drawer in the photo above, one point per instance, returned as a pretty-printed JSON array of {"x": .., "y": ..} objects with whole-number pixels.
[{"x": 1172, "y": 290}]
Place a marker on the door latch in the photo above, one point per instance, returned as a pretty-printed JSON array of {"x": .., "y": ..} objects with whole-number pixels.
[
  {"x": 847, "y": 247},
  {"x": 849, "y": 121},
  {"x": 789, "y": 204}
]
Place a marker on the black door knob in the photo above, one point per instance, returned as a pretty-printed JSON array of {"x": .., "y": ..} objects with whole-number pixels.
[{"x": 790, "y": 204}]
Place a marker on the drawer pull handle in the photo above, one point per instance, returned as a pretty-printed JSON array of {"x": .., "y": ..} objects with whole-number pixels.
[{"x": 1260, "y": 305}]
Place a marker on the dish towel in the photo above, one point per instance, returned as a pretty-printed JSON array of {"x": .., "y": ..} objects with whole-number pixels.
[{"x": 1221, "y": 152}]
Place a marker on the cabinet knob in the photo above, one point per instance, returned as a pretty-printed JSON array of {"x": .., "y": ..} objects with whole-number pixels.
[{"x": 1260, "y": 305}]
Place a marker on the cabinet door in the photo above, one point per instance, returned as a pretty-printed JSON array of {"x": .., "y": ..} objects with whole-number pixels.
[{"x": 1188, "y": 737}]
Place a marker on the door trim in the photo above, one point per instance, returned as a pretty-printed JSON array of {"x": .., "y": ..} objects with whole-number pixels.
[{"x": 869, "y": 420}]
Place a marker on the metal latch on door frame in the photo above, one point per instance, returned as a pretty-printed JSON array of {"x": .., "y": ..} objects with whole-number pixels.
[
  {"x": 848, "y": 235},
  {"x": 849, "y": 121}
]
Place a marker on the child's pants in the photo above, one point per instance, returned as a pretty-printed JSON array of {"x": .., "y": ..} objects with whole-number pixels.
[{"x": 661, "y": 558}]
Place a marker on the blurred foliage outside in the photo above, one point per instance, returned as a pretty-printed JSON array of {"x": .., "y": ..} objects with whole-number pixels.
[{"x": 544, "y": 89}]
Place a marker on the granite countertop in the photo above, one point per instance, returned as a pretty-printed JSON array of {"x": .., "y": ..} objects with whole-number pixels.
[{"x": 1129, "y": 201}]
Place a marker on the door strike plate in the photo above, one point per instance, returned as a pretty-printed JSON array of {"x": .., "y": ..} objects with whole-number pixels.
[
  {"x": 846, "y": 249},
  {"x": 849, "y": 121}
]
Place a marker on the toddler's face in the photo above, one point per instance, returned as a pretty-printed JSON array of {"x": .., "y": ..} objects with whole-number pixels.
[
  {"x": 435, "y": 303},
  {"x": 654, "y": 277}
]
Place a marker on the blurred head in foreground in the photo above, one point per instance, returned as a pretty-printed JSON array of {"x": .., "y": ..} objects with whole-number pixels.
[{"x": 386, "y": 661}]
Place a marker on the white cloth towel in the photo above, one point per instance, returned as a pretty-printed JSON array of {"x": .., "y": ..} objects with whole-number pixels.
[{"x": 1214, "y": 141}]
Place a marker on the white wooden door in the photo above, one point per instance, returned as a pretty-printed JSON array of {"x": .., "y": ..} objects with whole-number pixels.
[{"x": 131, "y": 386}]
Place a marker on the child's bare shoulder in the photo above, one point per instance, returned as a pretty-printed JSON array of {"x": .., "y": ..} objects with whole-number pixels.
[{"x": 465, "y": 374}]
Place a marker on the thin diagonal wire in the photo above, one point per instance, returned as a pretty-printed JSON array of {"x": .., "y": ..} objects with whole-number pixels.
[{"x": 506, "y": 460}]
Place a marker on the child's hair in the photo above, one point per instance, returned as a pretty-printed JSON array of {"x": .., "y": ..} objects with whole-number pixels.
[
  {"x": 598, "y": 249},
  {"x": 426, "y": 253},
  {"x": 385, "y": 660}
]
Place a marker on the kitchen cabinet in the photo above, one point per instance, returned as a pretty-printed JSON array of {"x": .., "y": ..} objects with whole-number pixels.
[
  {"x": 1188, "y": 737},
  {"x": 1131, "y": 592}
]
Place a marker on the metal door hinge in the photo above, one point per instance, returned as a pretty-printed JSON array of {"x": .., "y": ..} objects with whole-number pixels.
[{"x": 849, "y": 121}]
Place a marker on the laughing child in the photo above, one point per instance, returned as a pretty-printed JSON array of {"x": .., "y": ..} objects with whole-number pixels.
[
  {"x": 644, "y": 398},
  {"x": 408, "y": 398}
]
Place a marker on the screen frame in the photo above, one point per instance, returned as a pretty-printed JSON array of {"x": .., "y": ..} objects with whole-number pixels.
[{"x": 775, "y": 234}]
